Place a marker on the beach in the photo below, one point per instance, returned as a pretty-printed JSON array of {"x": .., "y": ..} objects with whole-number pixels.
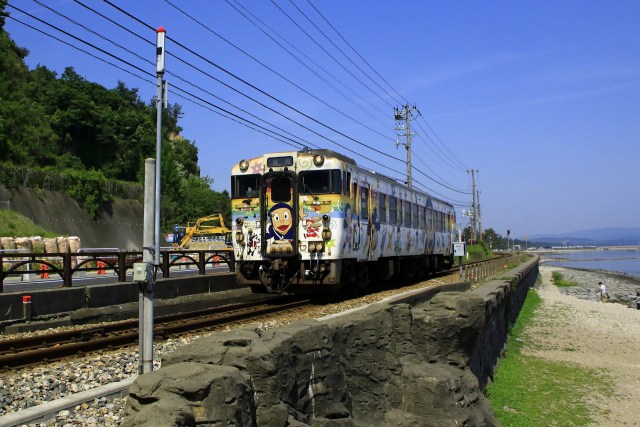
[{"x": 572, "y": 326}]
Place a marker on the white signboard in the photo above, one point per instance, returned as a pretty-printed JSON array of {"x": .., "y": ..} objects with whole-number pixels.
[{"x": 459, "y": 248}]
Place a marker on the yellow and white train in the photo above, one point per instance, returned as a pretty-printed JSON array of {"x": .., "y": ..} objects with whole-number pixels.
[{"x": 314, "y": 220}]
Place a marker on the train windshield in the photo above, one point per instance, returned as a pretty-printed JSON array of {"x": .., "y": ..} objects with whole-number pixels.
[
  {"x": 320, "y": 182},
  {"x": 245, "y": 186}
]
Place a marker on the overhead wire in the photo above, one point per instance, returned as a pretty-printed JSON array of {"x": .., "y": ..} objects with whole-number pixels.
[
  {"x": 127, "y": 63},
  {"x": 345, "y": 55},
  {"x": 234, "y": 117},
  {"x": 280, "y": 75},
  {"x": 360, "y": 56},
  {"x": 235, "y": 90},
  {"x": 326, "y": 52},
  {"x": 168, "y": 72},
  {"x": 264, "y": 93}
]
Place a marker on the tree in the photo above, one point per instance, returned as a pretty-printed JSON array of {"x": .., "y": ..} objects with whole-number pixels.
[
  {"x": 492, "y": 238},
  {"x": 70, "y": 123}
]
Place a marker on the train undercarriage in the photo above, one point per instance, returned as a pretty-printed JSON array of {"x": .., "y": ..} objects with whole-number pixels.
[{"x": 321, "y": 276}]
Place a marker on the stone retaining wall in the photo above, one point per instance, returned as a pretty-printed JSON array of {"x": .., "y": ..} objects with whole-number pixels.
[{"x": 388, "y": 364}]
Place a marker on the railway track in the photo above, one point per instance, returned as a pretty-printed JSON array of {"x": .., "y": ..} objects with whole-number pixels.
[{"x": 30, "y": 351}]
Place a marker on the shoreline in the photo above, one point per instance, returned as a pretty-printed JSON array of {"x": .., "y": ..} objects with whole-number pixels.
[
  {"x": 621, "y": 287},
  {"x": 602, "y": 337}
]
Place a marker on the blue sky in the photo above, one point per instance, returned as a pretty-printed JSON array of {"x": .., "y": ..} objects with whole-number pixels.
[{"x": 542, "y": 98}]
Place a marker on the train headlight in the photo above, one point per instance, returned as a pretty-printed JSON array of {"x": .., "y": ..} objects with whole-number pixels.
[
  {"x": 239, "y": 237},
  {"x": 239, "y": 222},
  {"x": 318, "y": 160},
  {"x": 244, "y": 165},
  {"x": 326, "y": 218},
  {"x": 326, "y": 233}
]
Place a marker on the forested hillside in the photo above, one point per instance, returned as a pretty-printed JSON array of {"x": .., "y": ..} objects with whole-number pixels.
[{"x": 67, "y": 133}]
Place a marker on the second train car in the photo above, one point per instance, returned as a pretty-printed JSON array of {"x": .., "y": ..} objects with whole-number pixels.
[{"x": 313, "y": 220}]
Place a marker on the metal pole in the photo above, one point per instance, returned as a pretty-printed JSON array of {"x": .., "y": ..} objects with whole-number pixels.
[
  {"x": 408, "y": 120},
  {"x": 148, "y": 239}
]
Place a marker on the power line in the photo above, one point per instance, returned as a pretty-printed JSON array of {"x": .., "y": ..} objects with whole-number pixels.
[
  {"x": 253, "y": 18},
  {"x": 328, "y": 54},
  {"x": 235, "y": 117},
  {"x": 360, "y": 56},
  {"x": 297, "y": 86},
  {"x": 263, "y": 92}
]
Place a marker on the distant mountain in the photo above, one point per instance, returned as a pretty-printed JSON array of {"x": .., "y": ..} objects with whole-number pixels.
[{"x": 598, "y": 237}]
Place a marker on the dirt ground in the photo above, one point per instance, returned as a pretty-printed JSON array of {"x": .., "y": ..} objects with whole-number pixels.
[{"x": 593, "y": 335}]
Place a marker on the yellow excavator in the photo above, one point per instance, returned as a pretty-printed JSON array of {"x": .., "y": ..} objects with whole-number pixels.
[{"x": 207, "y": 233}]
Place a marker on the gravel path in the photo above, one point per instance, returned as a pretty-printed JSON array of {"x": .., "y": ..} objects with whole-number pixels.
[{"x": 584, "y": 331}]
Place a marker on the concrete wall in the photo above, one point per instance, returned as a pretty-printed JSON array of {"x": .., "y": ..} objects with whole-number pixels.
[
  {"x": 117, "y": 225},
  {"x": 90, "y": 298},
  {"x": 396, "y": 363}
]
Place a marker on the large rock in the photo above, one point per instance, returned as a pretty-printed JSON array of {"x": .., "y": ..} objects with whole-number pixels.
[
  {"x": 190, "y": 394},
  {"x": 389, "y": 364}
]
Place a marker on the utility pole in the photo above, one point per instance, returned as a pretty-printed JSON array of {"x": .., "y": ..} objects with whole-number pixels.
[
  {"x": 145, "y": 272},
  {"x": 479, "y": 218},
  {"x": 474, "y": 206},
  {"x": 402, "y": 116}
]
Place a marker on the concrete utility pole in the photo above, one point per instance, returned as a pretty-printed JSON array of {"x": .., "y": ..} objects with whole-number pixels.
[
  {"x": 479, "y": 219},
  {"x": 145, "y": 273},
  {"x": 474, "y": 206},
  {"x": 403, "y": 118},
  {"x": 146, "y": 281}
]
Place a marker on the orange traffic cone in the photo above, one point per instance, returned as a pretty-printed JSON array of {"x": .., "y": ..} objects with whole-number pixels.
[
  {"x": 43, "y": 271},
  {"x": 101, "y": 267}
]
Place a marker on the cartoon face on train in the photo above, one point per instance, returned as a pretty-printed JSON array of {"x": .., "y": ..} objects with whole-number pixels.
[{"x": 281, "y": 222}]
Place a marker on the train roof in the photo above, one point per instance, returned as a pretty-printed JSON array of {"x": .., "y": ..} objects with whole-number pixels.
[{"x": 330, "y": 153}]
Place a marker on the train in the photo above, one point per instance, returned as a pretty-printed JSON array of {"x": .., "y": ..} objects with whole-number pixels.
[{"x": 313, "y": 220}]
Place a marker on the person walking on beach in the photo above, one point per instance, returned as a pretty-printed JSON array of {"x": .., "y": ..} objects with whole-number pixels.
[
  {"x": 638, "y": 300},
  {"x": 603, "y": 292}
]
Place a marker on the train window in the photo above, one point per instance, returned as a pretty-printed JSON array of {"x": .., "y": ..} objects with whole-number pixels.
[
  {"x": 382, "y": 204},
  {"x": 347, "y": 185},
  {"x": 414, "y": 216},
  {"x": 280, "y": 189},
  {"x": 421, "y": 221},
  {"x": 364, "y": 202},
  {"x": 245, "y": 186},
  {"x": 320, "y": 182},
  {"x": 393, "y": 210},
  {"x": 429, "y": 219},
  {"x": 406, "y": 210}
]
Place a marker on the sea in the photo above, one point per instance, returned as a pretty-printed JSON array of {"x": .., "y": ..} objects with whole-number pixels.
[{"x": 614, "y": 260}]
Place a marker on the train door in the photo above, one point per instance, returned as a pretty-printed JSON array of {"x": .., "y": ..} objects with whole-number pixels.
[
  {"x": 373, "y": 224},
  {"x": 280, "y": 222}
]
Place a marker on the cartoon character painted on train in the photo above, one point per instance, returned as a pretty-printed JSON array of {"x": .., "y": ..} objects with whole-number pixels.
[
  {"x": 312, "y": 227},
  {"x": 348, "y": 213},
  {"x": 431, "y": 233},
  {"x": 374, "y": 230},
  {"x": 281, "y": 226}
]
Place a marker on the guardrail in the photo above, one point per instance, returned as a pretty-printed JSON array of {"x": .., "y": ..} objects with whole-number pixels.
[{"x": 100, "y": 260}]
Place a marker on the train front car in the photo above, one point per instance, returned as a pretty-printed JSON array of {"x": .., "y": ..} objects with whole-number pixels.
[
  {"x": 312, "y": 221},
  {"x": 285, "y": 208}
]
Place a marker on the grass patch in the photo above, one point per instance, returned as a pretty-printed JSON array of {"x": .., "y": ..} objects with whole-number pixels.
[
  {"x": 560, "y": 282},
  {"x": 14, "y": 224},
  {"x": 531, "y": 391}
]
